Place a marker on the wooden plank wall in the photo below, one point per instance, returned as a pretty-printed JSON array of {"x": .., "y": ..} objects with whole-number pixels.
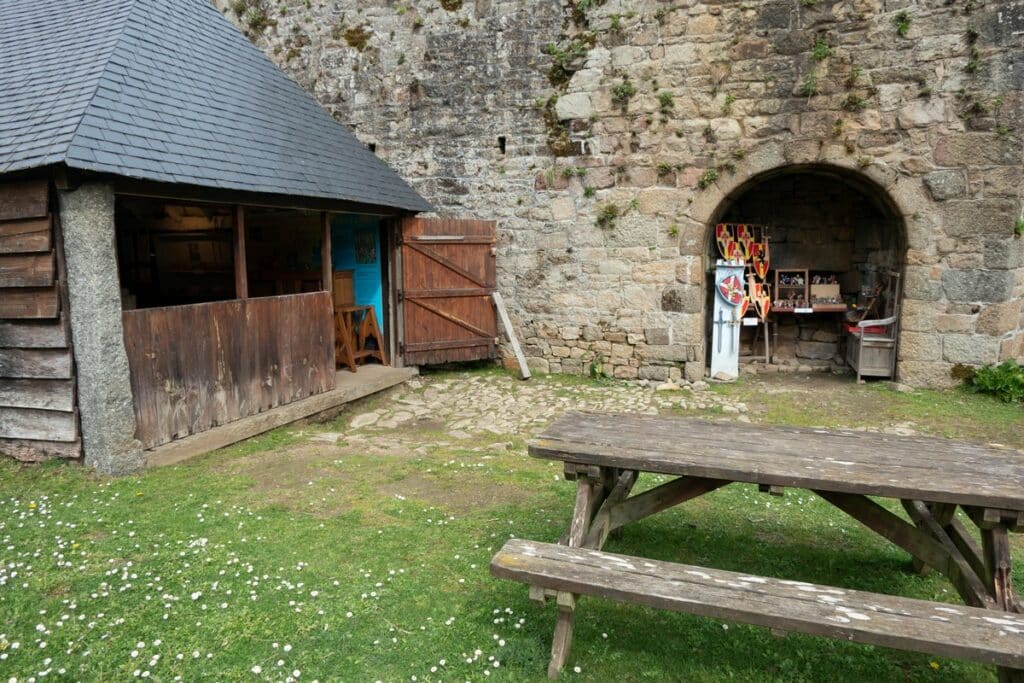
[
  {"x": 38, "y": 414},
  {"x": 196, "y": 367}
]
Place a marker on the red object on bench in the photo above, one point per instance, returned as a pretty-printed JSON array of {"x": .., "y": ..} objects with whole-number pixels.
[{"x": 872, "y": 329}]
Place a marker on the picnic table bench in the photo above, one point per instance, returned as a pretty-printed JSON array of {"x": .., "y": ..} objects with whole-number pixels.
[{"x": 932, "y": 478}]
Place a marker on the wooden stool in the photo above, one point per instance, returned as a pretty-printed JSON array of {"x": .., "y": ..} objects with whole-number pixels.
[{"x": 354, "y": 327}]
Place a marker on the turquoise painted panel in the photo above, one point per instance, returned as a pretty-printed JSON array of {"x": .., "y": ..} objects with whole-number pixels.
[{"x": 355, "y": 246}]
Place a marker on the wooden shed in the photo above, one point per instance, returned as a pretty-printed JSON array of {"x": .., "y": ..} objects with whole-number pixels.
[{"x": 186, "y": 235}]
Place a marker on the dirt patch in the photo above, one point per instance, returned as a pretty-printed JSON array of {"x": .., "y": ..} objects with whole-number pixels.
[{"x": 464, "y": 495}]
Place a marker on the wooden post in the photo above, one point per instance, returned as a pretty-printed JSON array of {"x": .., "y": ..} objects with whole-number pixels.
[
  {"x": 325, "y": 253},
  {"x": 241, "y": 269}
]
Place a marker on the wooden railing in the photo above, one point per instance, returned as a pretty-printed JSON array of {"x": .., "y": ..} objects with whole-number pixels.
[{"x": 196, "y": 367}]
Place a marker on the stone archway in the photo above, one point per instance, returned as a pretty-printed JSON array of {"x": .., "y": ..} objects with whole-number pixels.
[{"x": 899, "y": 203}]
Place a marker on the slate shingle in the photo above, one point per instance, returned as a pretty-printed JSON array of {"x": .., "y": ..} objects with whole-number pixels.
[{"x": 170, "y": 91}]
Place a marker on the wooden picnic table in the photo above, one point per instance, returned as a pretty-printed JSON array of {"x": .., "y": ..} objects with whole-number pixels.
[{"x": 932, "y": 479}]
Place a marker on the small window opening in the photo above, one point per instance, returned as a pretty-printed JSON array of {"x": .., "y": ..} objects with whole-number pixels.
[
  {"x": 372, "y": 147},
  {"x": 502, "y": 143}
]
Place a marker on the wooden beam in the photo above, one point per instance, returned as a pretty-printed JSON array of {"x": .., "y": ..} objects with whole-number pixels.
[
  {"x": 996, "y": 548},
  {"x": 992, "y": 518},
  {"x": 661, "y": 498},
  {"x": 929, "y": 550},
  {"x": 958, "y": 569},
  {"x": 212, "y": 195},
  {"x": 499, "y": 303},
  {"x": 600, "y": 528},
  {"x": 241, "y": 269},
  {"x": 327, "y": 268}
]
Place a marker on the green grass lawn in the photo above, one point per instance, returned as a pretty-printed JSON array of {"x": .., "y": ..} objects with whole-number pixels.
[{"x": 284, "y": 559}]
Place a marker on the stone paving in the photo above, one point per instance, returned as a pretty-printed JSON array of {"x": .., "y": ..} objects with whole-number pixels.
[{"x": 471, "y": 405}]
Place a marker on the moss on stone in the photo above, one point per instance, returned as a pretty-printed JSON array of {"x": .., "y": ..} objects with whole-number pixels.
[{"x": 357, "y": 36}]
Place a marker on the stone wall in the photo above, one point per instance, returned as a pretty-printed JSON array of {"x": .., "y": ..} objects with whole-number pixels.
[{"x": 604, "y": 136}]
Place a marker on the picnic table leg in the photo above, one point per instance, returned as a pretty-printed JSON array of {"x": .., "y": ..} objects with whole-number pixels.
[
  {"x": 587, "y": 493},
  {"x": 995, "y": 544}
]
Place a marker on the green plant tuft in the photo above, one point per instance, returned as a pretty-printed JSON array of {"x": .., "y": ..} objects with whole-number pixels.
[
  {"x": 666, "y": 102},
  {"x": 902, "y": 22},
  {"x": 607, "y": 215},
  {"x": 358, "y": 37},
  {"x": 623, "y": 92},
  {"x": 821, "y": 50},
  {"x": 810, "y": 86},
  {"x": 854, "y": 102},
  {"x": 1018, "y": 228},
  {"x": 1004, "y": 381},
  {"x": 707, "y": 178}
]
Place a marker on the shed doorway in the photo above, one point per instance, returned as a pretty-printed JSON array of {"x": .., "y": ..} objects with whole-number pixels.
[{"x": 824, "y": 225}]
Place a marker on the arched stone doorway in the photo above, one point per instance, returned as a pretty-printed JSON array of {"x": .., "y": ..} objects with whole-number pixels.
[{"x": 829, "y": 221}]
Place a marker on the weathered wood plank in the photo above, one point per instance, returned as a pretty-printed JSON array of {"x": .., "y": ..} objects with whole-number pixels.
[
  {"x": 27, "y": 270},
  {"x": 30, "y": 303},
  {"x": 27, "y": 199},
  {"x": 33, "y": 334},
  {"x": 370, "y": 380},
  {"x": 660, "y": 498},
  {"x": 43, "y": 394},
  {"x": 26, "y": 236},
  {"x": 38, "y": 451},
  {"x": 39, "y": 425},
  {"x": 883, "y": 620},
  {"x": 35, "y": 363},
  {"x": 958, "y": 569},
  {"x": 914, "y": 468},
  {"x": 600, "y": 527},
  {"x": 931, "y": 551},
  {"x": 197, "y": 367},
  {"x": 995, "y": 545},
  {"x": 241, "y": 269}
]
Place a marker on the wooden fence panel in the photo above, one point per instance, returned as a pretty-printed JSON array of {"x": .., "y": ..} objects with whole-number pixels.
[{"x": 196, "y": 367}]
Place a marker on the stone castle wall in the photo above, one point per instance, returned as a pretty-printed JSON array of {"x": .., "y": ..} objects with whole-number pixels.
[{"x": 604, "y": 136}]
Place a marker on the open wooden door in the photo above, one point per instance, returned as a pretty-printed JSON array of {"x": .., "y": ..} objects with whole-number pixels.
[{"x": 447, "y": 278}]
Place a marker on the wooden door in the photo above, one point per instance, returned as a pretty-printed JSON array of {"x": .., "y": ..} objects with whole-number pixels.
[{"x": 448, "y": 276}]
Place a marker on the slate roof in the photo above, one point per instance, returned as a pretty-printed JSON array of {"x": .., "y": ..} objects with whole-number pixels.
[{"x": 171, "y": 91}]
